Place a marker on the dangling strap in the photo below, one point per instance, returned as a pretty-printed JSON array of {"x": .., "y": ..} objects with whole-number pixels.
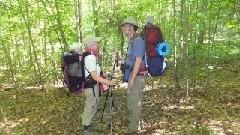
[
  {"x": 145, "y": 58},
  {"x": 93, "y": 92},
  {"x": 132, "y": 39}
]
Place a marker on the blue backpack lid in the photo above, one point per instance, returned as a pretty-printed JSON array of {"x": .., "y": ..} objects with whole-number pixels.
[{"x": 163, "y": 49}]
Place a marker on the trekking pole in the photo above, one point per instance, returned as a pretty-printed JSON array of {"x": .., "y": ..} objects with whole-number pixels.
[
  {"x": 105, "y": 103},
  {"x": 111, "y": 110},
  {"x": 109, "y": 93}
]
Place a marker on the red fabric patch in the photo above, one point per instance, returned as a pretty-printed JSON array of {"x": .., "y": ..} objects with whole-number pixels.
[
  {"x": 152, "y": 36},
  {"x": 151, "y": 50}
]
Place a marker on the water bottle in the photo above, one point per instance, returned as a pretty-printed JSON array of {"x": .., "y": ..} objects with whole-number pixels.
[{"x": 127, "y": 73}]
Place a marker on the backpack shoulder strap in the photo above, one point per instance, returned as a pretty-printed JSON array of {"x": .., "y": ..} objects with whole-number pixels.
[
  {"x": 85, "y": 54},
  {"x": 132, "y": 39},
  {"x": 144, "y": 57}
]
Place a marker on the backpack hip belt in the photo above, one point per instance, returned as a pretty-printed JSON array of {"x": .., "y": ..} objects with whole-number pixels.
[
  {"x": 142, "y": 71},
  {"x": 142, "y": 74}
]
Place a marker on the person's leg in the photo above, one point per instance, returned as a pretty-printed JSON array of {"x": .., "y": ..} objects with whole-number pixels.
[
  {"x": 96, "y": 100},
  {"x": 89, "y": 107},
  {"x": 134, "y": 102},
  {"x": 91, "y": 104}
]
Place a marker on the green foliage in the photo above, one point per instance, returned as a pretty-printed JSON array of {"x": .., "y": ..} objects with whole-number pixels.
[{"x": 41, "y": 16}]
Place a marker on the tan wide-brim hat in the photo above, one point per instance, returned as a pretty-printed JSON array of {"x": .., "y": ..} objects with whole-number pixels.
[
  {"x": 91, "y": 39},
  {"x": 130, "y": 20}
]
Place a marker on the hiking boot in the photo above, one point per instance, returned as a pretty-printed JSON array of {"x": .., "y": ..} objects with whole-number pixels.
[{"x": 88, "y": 130}]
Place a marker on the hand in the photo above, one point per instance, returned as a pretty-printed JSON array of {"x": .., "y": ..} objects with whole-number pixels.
[
  {"x": 112, "y": 82},
  {"x": 112, "y": 75},
  {"x": 130, "y": 83}
]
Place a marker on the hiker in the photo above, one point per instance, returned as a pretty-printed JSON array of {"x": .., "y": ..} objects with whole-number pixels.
[
  {"x": 92, "y": 68},
  {"x": 136, "y": 64}
]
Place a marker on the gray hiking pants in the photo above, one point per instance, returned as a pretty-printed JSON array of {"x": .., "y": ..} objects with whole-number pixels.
[
  {"x": 135, "y": 101},
  {"x": 91, "y": 105}
]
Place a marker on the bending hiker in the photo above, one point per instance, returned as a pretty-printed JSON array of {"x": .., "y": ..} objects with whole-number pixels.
[{"x": 92, "y": 76}]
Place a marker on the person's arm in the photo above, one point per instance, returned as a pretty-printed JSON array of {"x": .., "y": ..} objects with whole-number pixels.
[
  {"x": 136, "y": 68},
  {"x": 138, "y": 53},
  {"x": 105, "y": 75},
  {"x": 91, "y": 67},
  {"x": 101, "y": 80}
]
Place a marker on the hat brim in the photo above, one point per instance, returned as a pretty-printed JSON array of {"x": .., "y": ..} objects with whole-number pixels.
[
  {"x": 128, "y": 23},
  {"x": 123, "y": 23},
  {"x": 97, "y": 39}
]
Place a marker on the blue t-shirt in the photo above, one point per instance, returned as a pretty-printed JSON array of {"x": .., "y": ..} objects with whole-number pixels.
[{"x": 136, "y": 48}]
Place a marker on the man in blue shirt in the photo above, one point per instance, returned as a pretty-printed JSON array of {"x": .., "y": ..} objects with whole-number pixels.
[{"x": 136, "y": 61}]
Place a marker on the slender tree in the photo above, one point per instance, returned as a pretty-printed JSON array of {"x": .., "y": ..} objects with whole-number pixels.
[
  {"x": 185, "y": 27},
  {"x": 79, "y": 20},
  {"x": 28, "y": 27},
  {"x": 194, "y": 46},
  {"x": 63, "y": 39},
  {"x": 95, "y": 14},
  {"x": 202, "y": 22},
  {"x": 176, "y": 65},
  {"x": 9, "y": 64}
]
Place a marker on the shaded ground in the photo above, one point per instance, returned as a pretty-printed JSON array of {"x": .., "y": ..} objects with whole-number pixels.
[
  {"x": 166, "y": 113},
  {"x": 212, "y": 108}
]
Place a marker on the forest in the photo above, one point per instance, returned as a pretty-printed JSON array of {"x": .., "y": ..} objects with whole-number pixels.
[{"x": 199, "y": 94}]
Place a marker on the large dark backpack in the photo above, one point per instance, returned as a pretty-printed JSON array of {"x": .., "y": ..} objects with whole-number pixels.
[
  {"x": 153, "y": 38},
  {"x": 74, "y": 72}
]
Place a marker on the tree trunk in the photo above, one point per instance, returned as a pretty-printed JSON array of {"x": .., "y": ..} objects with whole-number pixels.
[
  {"x": 45, "y": 44},
  {"x": 202, "y": 23},
  {"x": 12, "y": 69},
  {"x": 212, "y": 43},
  {"x": 95, "y": 13},
  {"x": 215, "y": 29},
  {"x": 95, "y": 23},
  {"x": 56, "y": 31},
  {"x": 63, "y": 39},
  {"x": 209, "y": 42},
  {"x": 79, "y": 20},
  {"x": 9, "y": 64},
  {"x": 28, "y": 27},
  {"x": 160, "y": 12},
  {"x": 194, "y": 50},
  {"x": 176, "y": 65},
  {"x": 30, "y": 47},
  {"x": 185, "y": 27}
]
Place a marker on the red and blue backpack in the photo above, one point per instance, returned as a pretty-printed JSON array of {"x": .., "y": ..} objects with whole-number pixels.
[{"x": 156, "y": 50}]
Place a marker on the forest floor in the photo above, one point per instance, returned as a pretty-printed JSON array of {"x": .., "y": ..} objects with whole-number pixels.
[{"x": 210, "y": 108}]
